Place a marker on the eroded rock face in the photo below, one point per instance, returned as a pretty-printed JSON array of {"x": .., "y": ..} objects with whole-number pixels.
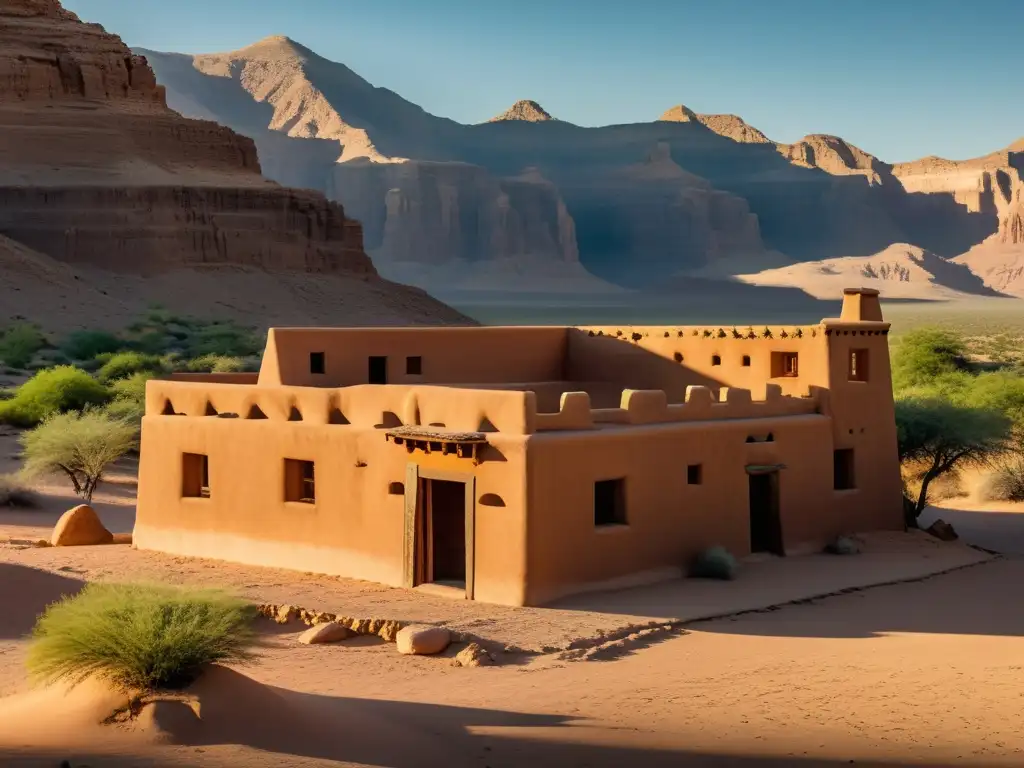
[{"x": 96, "y": 170}]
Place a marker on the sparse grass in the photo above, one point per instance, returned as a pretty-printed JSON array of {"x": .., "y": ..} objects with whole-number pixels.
[
  {"x": 14, "y": 494},
  {"x": 140, "y": 637},
  {"x": 1006, "y": 483}
]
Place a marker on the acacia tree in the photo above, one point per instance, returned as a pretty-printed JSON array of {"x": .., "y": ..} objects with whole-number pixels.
[
  {"x": 937, "y": 436},
  {"x": 81, "y": 445}
]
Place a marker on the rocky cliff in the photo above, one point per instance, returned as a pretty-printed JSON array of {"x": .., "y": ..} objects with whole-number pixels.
[
  {"x": 95, "y": 169},
  {"x": 645, "y": 201}
]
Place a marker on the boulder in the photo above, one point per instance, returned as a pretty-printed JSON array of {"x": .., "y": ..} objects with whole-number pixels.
[
  {"x": 422, "y": 640},
  {"x": 473, "y": 655},
  {"x": 80, "y": 527},
  {"x": 942, "y": 530},
  {"x": 285, "y": 613},
  {"x": 331, "y": 632}
]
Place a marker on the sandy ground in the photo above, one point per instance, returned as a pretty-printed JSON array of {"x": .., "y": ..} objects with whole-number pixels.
[{"x": 928, "y": 672}]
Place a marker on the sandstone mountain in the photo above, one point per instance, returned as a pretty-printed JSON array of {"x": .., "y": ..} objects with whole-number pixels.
[
  {"x": 527, "y": 110},
  {"x": 901, "y": 271},
  {"x": 97, "y": 174},
  {"x": 631, "y": 204}
]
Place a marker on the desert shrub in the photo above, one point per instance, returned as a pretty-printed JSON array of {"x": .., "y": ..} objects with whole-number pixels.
[
  {"x": 714, "y": 563},
  {"x": 81, "y": 445},
  {"x": 129, "y": 403},
  {"x": 947, "y": 486},
  {"x": 216, "y": 364},
  {"x": 843, "y": 545},
  {"x": 125, "y": 364},
  {"x": 223, "y": 338},
  {"x": 86, "y": 345},
  {"x": 140, "y": 637},
  {"x": 927, "y": 355},
  {"x": 54, "y": 390},
  {"x": 14, "y": 494},
  {"x": 1006, "y": 483},
  {"x": 19, "y": 345}
]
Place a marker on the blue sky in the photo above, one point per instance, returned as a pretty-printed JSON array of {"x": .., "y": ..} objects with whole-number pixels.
[{"x": 899, "y": 78}]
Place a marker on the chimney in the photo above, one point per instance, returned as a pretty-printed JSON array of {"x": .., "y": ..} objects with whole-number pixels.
[{"x": 861, "y": 305}]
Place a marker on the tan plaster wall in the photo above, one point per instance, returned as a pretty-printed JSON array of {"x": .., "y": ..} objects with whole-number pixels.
[
  {"x": 669, "y": 521},
  {"x": 356, "y": 527},
  {"x": 449, "y": 355}
]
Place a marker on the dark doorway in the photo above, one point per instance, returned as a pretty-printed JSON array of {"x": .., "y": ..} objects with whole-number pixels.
[
  {"x": 444, "y": 533},
  {"x": 378, "y": 373},
  {"x": 765, "y": 523}
]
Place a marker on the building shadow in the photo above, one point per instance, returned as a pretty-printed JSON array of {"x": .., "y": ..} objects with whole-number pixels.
[{"x": 25, "y": 593}]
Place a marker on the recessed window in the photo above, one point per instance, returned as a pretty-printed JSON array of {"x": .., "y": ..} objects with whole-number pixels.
[
  {"x": 299, "y": 481},
  {"x": 716, "y": 359},
  {"x": 843, "y": 470},
  {"x": 414, "y": 366},
  {"x": 195, "y": 476},
  {"x": 785, "y": 365},
  {"x": 858, "y": 365},
  {"x": 746, "y": 361},
  {"x": 694, "y": 474},
  {"x": 378, "y": 370},
  {"x": 610, "y": 502},
  {"x": 317, "y": 363}
]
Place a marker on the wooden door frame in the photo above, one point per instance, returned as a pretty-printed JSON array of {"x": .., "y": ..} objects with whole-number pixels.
[{"x": 413, "y": 515}]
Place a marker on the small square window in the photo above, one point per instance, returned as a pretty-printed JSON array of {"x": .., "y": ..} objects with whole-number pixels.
[
  {"x": 610, "y": 502},
  {"x": 414, "y": 366},
  {"x": 858, "y": 365},
  {"x": 694, "y": 474},
  {"x": 299, "y": 481},
  {"x": 195, "y": 476},
  {"x": 746, "y": 361},
  {"x": 716, "y": 360},
  {"x": 843, "y": 476},
  {"x": 785, "y": 365},
  {"x": 317, "y": 363}
]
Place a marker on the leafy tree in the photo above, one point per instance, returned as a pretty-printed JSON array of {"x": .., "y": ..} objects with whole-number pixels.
[
  {"x": 937, "y": 436},
  {"x": 81, "y": 445},
  {"x": 927, "y": 356},
  {"x": 50, "y": 391},
  {"x": 19, "y": 344}
]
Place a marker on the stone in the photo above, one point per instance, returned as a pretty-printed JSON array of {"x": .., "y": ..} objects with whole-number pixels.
[
  {"x": 422, "y": 640},
  {"x": 285, "y": 613},
  {"x": 330, "y": 632},
  {"x": 942, "y": 530},
  {"x": 389, "y": 631},
  {"x": 80, "y": 527},
  {"x": 473, "y": 655}
]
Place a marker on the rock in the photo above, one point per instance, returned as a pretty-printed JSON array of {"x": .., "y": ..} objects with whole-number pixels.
[
  {"x": 285, "y": 613},
  {"x": 80, "y": 527},
  {"x": 421, "y": 640},
  {"x": 389, "y": 631},
  {"x": 473, "y": 655},
  {"x": 843, "y": 545},
  {"x": 942, "y": 530},
  {"x": 330, "y": 632}
]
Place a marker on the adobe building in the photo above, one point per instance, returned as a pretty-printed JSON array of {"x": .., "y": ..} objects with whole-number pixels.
[{"x": 521, "y": 465}]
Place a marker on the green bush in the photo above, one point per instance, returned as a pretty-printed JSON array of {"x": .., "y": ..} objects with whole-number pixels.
[
  {"x": 226, "y": 339},
  {"x": 216, "y": 364},
  {"x": 140, "y": 637},
  {"x": 927, "y": 355},
  {"x": 129, "y": 403},
  {"x": 19, "y": 344},
  {"x": 714, "y": 563},
  {"x": 54, "y": 390},
  {"x": 86, "y": 345},
  {"x": 125, "y": 364}
]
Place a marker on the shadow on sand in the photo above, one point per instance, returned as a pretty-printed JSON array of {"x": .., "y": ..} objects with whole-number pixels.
[
  {"x": 282, "y": 724},
  {"x": 26, "y": 592}
]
